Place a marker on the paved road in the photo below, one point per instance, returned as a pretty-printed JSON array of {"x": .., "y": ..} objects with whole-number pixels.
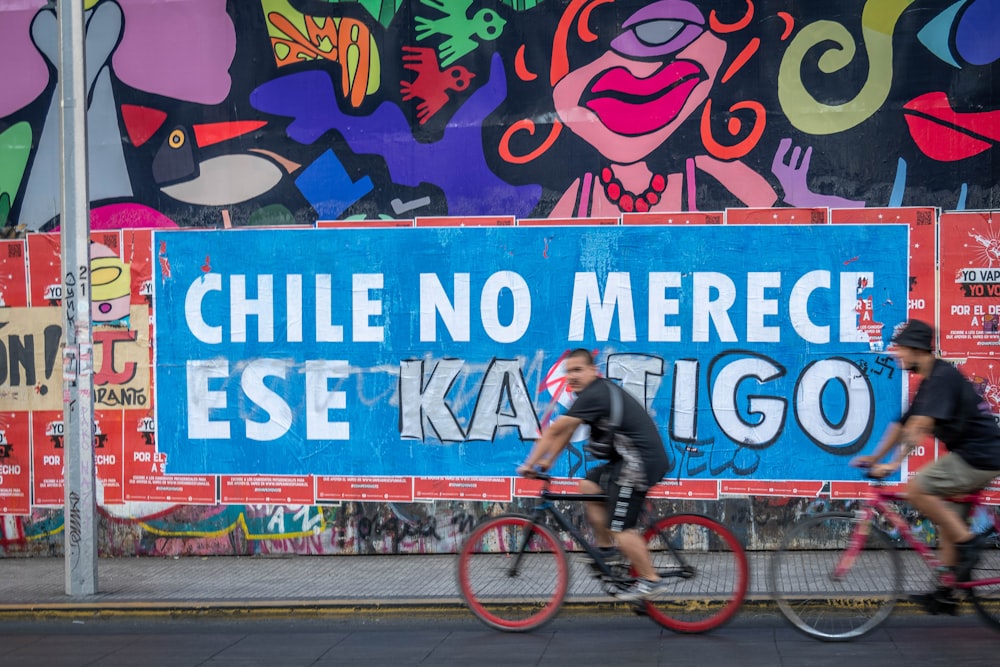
[{"x": 447, "y": 639}]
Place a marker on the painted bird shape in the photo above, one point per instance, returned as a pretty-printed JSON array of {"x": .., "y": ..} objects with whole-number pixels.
[
  {"x": 458, "y": 28},
  {"x": 432, "y": 84}
]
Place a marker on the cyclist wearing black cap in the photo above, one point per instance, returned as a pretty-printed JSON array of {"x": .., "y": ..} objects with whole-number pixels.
[{"x": 946, "y": 406}]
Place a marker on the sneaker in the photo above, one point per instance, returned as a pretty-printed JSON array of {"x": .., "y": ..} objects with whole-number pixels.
[
  {"x": 968, "y": 556},
  {"x": 642, "y": 589},
  {"x": 940, "y": 601}
]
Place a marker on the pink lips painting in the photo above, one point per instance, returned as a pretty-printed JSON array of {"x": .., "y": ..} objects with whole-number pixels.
[
  {"x": 946, "y": 135},
  {"x": 632, "y": 106}
]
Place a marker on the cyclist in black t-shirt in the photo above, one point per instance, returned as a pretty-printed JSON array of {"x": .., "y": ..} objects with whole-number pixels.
[
  {"x": 946, "y": 406},
  {"x": 637, "y": 460}
]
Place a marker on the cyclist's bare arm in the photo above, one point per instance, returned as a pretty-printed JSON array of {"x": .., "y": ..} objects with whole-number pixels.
[
  {"x": 550, "y": 444},
  {"x": 908, "y": 436},
  {"x": 888, "y": 441}
]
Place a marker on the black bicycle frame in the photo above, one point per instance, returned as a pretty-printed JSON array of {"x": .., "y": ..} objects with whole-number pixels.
[{"x": 547, "y": 506}]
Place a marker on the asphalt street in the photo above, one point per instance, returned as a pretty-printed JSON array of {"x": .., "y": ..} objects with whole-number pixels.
[{"x": 456, "y": 638}]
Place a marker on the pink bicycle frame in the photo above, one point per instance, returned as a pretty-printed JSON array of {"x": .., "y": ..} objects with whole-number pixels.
[{"x": 878, "y": 502}]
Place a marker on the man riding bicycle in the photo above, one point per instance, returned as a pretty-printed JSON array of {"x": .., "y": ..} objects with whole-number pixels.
[
  {"x": 946, "y": 406},
  {"x": 636, "y": 457}
]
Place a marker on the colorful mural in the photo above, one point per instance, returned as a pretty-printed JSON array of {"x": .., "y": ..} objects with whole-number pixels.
[
  {"x": 203, "y": 113},
  {"x": 212, "y": 114}
]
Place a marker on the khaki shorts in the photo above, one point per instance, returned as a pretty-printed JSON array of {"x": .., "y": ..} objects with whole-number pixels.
[{"x": 950, "y": 475}]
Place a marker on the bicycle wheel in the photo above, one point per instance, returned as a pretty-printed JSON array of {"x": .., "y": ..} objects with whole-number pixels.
[
  {"x": 513, "y": 573},
  {"x": 986, "y": 597},
  {"x": 824, "y": 606},
  {"x": 707, "y": 570}
]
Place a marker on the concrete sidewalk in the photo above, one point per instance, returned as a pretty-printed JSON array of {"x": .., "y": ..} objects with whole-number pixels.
[{"x": 200, "y": 584}]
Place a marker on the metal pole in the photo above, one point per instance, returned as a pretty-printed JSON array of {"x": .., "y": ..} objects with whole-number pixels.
[{"x": 80, "y": 511}]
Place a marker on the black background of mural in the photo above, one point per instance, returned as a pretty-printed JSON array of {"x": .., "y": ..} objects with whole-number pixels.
[{"x": 859, "y": 163}]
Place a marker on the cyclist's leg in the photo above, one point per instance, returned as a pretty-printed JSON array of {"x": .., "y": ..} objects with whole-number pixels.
[
  {"x": 928, "y": 490},
  {"x": 597, "y": 512},
  {"x": 626, "y": 504}
]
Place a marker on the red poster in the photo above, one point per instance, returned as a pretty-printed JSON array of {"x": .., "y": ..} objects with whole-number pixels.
[
  {"x": 854, "y": 490},
  {"x": 554, "y": 222},
  {"x": 47, "y": 458},
  {"x": 13, "y": 274},
  {"x": 689, "y": 218},
  {"x": 471, "y": 221},
  {"x": 44, "y": 263},
  {"x": 923, "y": 250},
  {"x": 108, "y": 455},
  {"x": 920, "y": 456},
  {"x": 462, "y": 488},
  {"x": 139, "y": 432},
  {"x": 532, "y": 488},
  {"x": 984, "y": 374},
  {"x": 15, "y": 463},
  {"x": 752, "y": 487},
  {"x": 692, "y": 489},
  {"x": 777, "y": 216},
  {"x": 110, "y": 239},
  {"x": 354, "y": 224},
  {"x": 137, "y": 254},
  {"x": 44, "y": 270},
  {"x": 386, "y": 489},
  {"x": 970, "y": 285},
  {"x": 143, "y": 478},
  {"x": 266, "y": 490},
  {"x": 991, "y": 495}
]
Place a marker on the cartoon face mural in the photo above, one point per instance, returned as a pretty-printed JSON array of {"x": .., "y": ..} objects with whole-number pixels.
[
  {"x": 651, "y": 77},
  {"x": 654, "y": 74}
]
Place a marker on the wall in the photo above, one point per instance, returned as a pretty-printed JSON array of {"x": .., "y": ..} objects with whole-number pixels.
[{"x": 209, "y": 114}]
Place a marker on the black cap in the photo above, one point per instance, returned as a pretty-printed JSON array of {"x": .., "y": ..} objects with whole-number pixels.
[{"x": 916, "y": 334}]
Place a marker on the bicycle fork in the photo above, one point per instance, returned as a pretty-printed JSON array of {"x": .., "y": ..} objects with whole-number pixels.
[
  {"x": 864, "y": 520},
  {"x": 522, "y": 547}
]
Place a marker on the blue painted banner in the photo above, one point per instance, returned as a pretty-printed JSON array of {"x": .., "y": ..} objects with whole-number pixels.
[{"x": 760, "y": 351}]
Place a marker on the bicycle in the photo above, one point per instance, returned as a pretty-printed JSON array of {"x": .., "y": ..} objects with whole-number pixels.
[
  {"x": 837, "y": 576},
  {"x": 513, "y": 572}
]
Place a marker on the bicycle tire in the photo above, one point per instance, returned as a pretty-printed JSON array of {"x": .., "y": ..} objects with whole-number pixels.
[
  {"x": 986, "y": 597},
  {"x": 706, "y": 567},
  {"x": 502, "y": 597},
  {"x": 801, "y": 583}
]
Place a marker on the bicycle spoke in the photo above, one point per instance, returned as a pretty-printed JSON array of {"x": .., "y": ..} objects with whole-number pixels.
[
  {"x": 986, "y": 597},
  {"x": 508, "y": 584},
  {"x": 706, "y": 572},
  {"x": 814, "y": 599}
]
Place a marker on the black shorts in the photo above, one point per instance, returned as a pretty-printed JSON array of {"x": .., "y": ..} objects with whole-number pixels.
[{"x": 624, "y": 502}]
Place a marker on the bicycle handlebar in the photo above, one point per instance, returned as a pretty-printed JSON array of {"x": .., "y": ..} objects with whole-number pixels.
[
  {"x": 866, "y": 468},
  {"x": 537, "y": 474}
]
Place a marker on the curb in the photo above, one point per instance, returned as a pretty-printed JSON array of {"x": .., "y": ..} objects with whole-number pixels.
[{"x": 325, "y": 608}]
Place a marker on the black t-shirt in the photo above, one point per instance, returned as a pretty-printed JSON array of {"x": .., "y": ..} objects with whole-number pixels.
[
  {"x": 962, "y": 418},
  {"x": 593, "y": 406}
]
